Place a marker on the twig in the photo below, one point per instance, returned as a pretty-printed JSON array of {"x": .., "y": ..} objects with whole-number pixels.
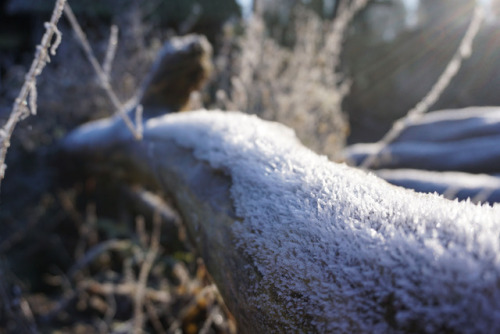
[
  {"x": 140, "y": 229},
  {"x": 110, "y": 312},
  {"x": 182, "y": 274},
  {"x": 209, "y": 291},
  {"x": 152, "y": 203},
  {"x": 95, "y": 251},
  {"x": 464, "y": 51},
  {"x": 62, "y": 304},
  {"x": 214, "y": 312},
  {"x": 101, "y": 74},
  {"x": 84, "y": 225},
  {"x": 110, "y": 51},
  {"x": 336, "y": 36},
  {"x": 22, "y": 108},
  {"x": 87, "y": 234},
  {"x": 124, "y": 289},
  {"x": 153, "y": 317},
  {"x": 144, "y": 273}
]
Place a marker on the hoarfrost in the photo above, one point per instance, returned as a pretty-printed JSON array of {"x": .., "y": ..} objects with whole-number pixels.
[{"x": 342, "y": 247}]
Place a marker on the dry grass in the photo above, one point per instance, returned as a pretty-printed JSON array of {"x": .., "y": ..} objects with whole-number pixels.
[{"x": 105, "y": 275}]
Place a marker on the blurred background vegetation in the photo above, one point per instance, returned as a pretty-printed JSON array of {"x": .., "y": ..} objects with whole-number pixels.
[
  {"x": 396, "y": 49},
  {"x": 393, "y": 53}
]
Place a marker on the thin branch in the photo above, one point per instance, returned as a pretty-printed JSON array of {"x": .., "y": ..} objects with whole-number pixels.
[
  {"x": 153, "y": 318},
  {"x": 336, "y": 36},
  {"x": 110, "y": 313},
  {"x": 154, "y": 204},
  {"x": 140, "y": 230},
  {"x": 97, "y": 250},
  {"x": 212, "y": 314},
  {"x": 110, "y": 51},
  {"x": 22, "y": 108},
  {"x": 144, "y": 273},
  {"x": 101, "y": 74},
  {"x": 124, "y": 289},
  {"x": 209, "y": 292},
  {"x": 463, "y": 52}
]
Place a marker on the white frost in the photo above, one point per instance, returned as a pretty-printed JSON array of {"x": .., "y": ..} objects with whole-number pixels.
[{"x": 342, "y": 248}]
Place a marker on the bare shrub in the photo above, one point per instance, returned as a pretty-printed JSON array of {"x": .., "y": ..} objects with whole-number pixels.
[{"x": 300, "y": 87}]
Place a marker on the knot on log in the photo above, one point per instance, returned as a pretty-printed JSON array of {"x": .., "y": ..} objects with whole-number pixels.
[{"x": 183, "y": 65}]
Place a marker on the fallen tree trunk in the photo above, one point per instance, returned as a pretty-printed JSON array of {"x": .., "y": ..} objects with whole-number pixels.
[
  {"x": 297, "y": 243},
  {"x": 474, "y": 155},
  {"x": 449, "y": 140}
]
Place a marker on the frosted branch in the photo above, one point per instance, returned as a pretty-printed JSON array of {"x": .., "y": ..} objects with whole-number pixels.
[
  {"x": 110, "y": 51},
  {"x": 336, "y": 36},
  {"x": 20, "y": 107}
]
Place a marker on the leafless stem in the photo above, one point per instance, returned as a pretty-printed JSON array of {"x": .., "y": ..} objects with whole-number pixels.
[
  {"x": 22, "y": 107},
  {"x": 214, "y": 311},
  {"x": 95, "y": 251},
  {"x": 110, "y": 312},
  {"x": 155, "y": 204},
  {"x": 144, "y": 273},
  {"x": 101, "y": 74},
  {"x": 110, "y": 51},
  {"x": 153, "y": 317},
  {"x": 140, "y": 229},
  {"x": 336, "y": 35},
  {"x": 124, "y": 289}
]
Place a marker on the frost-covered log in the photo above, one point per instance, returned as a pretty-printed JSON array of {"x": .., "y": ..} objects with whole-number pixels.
[
  {"x": 450, "y": 140},
  {"x": 299, "y": 244},
  {"x": 478, "y": 187}
]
